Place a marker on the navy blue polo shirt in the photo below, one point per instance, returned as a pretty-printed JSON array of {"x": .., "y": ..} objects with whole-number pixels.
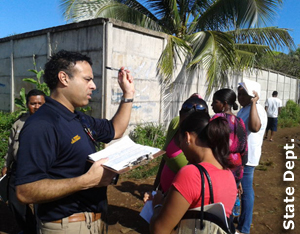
[{"x": 54, "y": 145}]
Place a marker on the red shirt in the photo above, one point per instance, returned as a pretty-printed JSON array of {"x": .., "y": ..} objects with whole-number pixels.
[{"x": 188, "y": 183}]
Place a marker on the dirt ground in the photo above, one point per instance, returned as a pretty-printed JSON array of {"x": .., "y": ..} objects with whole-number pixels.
[{"x": 125, "y": 198}]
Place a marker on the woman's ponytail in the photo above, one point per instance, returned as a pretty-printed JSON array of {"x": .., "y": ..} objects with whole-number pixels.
[{"x": 218, "y": 133}]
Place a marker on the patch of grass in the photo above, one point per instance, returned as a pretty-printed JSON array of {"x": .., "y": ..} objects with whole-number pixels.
[
  {"x": 263, "y": 165},
  {"x": 261, "y": 168},
  {"x": 269, "y": 163},
  {"x": 144, "y": 171}
]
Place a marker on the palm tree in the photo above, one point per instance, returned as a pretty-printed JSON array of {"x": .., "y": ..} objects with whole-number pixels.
[{"x": 218, "y": 35}]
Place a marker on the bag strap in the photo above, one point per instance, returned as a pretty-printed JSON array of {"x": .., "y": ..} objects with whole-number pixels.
[
  {"x": 203, "y": 172},
  {"x": 190, "y": 214}
]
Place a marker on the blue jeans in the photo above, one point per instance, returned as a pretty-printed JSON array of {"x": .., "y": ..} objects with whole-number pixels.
[{"x": 245, "y": 218}]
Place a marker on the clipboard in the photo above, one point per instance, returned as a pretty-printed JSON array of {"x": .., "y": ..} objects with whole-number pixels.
[
  {"x": 125, "y": 155},
  {"x": 131, "y": 167}
]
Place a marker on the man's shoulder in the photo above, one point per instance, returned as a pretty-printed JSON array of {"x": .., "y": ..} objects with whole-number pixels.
[
  {"x": 268, "y": 100},
  {"x": 44, "y": 114},
  {"x": 20, "y": 120},
  {"x": 279, "y": 100}
]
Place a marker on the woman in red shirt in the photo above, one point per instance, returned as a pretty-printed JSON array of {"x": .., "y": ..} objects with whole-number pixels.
[{"x": 203, "y": 142}]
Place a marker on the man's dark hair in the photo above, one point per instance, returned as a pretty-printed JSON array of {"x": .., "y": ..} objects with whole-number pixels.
[
  {"x": 34, "y": 92},
  {"x": 226, "y": 95},
  {"x": 62, "y": 61},
  {"x": 274, "y": 94}
]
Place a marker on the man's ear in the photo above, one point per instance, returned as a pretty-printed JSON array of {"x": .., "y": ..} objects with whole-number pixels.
[{"x": 63, "y": 78}]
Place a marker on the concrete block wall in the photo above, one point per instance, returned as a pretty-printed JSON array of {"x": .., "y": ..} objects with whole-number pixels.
[{"x": 114, "y": 43}]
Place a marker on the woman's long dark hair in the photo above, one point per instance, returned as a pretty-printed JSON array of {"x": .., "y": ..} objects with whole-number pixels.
[{"x": 214, "y": 133}]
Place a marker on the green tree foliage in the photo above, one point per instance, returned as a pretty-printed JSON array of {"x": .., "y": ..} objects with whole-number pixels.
[
  {"x": 21, "y": 101},
  {"x": 217, "y": 35},
  {"x": 149, "y": 134},
  {"x": 289, "y": 115},
  {"x": 281, "y": 62},
  {"x": 6, "y": 121},
  {"x": 37, "y": 81}
]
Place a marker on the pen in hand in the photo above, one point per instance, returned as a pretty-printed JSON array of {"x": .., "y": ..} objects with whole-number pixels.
[{"x": 112, "y": 68}]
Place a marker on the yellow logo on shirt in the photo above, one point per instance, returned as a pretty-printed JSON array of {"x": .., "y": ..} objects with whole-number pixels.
[{"x": 75, "y": 138}]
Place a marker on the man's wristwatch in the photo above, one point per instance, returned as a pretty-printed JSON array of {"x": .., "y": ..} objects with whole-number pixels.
[{"x": 125, "y": 100}]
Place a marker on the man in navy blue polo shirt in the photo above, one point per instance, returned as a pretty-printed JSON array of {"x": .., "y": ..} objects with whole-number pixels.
[{"x": 52, "y": 167}]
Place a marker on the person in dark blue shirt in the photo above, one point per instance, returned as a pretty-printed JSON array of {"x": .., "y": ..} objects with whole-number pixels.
[{"x": 52, "y": 167}]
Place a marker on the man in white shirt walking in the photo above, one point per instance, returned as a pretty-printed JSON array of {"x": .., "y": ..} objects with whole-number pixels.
[{"x": 273, "y": 106}]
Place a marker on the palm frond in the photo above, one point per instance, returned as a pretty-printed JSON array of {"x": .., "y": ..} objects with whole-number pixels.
[
  {"x": 67, "y": 7},
  {"x": 248, "y": 54},
  {"x": 130, "y": 11},
  {"x": 216, "y": 15},
  {"x": 275, "y": 38},
  {"x": 213, "y": 42},
  {"x": 215, "y": 35},
  {"x": 253, "y": 48},
  {"x": 244, "y": 60},
  {"x": 175, "y": 49},
  {"x": 214, "y": 51},
  {"x": 252, "y": 13}
]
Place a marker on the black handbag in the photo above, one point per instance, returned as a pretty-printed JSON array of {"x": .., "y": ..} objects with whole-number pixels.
[{"x": 211, "y": 219}]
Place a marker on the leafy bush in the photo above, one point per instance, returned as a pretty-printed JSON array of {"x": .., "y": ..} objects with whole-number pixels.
[
  {"x": 21, "y": 102},
  {"x": 149, "y": 134},
  {"x": 289, "y": 115},
  {"x": 37, "y": 81},
  {"x": 6, "y": 121}
]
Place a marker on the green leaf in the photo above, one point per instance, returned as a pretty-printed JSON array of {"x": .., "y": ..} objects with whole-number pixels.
[
  {"x": 40, "y": 74},
  {"x": 33, "y": 70},
  {"x": 31, "y": 80}
]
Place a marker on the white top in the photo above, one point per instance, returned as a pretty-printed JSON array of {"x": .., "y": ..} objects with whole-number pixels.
[
  {"x": 254, "y": 139},
  {"x": 273, "y": 103}
]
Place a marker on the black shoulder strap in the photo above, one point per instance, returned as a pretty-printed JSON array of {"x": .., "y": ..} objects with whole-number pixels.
[
  {"x": 203, "y": 171},
  {"x": 205, "y": 215}
]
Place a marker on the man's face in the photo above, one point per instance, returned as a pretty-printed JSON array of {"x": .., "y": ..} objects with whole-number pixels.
[
  {"x": 81, "y": 85},
  {"x": 34, "y": 103},
  {"x": 243, "y": 97}
]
